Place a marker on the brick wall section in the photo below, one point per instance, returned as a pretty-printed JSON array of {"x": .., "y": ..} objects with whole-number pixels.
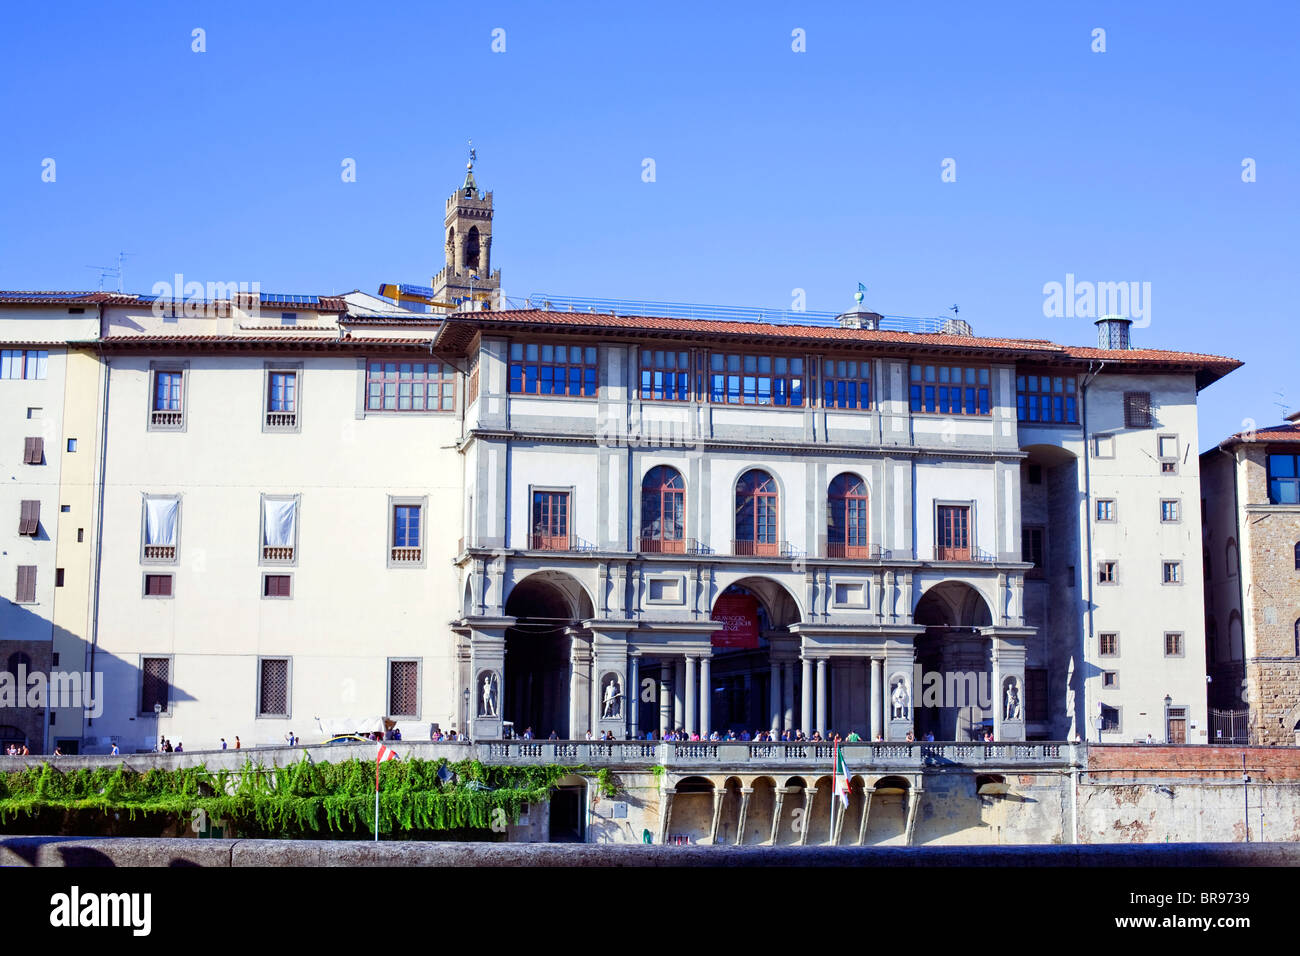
[{"x": 1116, "y": 764}]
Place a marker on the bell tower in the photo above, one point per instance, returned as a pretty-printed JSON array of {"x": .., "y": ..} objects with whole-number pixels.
[{"x": 466, "y": 276}]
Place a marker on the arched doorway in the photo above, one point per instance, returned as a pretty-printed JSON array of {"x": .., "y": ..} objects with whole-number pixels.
[
  {"x": 758, "y": 613},
  {"x": 958, "y": 703},
  {"x": 548, "y": 608}
]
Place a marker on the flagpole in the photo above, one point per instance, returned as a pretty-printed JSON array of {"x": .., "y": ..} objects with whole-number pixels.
[{"x": 377, "y": 799}]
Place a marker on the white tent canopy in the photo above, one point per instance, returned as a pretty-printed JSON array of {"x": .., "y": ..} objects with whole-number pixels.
[{"x": 338, "y": 726}]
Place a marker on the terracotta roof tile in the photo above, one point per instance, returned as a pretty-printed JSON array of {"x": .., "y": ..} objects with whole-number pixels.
[{"x": 1273, "y": 433}]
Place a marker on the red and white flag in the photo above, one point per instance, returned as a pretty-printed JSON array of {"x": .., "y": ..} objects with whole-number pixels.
[{"x": 385, "y": 753}]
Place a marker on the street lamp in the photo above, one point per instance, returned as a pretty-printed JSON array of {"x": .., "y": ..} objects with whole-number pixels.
[
  {"x": 1168, "y": 702},
  {"x": 157, "y": 716},
  {"x": 465, "y": 726}
]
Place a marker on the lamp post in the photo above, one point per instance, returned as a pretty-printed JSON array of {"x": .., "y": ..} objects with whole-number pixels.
[
  {"x": 157, "y": 725},
  {"x": 1168, "y": 702},
  {"x": 465, "y": 726}
]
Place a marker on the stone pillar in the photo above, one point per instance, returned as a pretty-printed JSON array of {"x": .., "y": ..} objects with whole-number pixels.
[
  {"x": 633, "y": 701},
  {"x": 487, "y": 662},
  {"x": 745, "y": 794},
  {"x": 718, "y": 797},
  {"x": 787, "y": 692},
  {"x": 580, "y": 715},
  {"x": 706, "y": 698},
  {"x": 679, "y": 685},
  {"x": 667, "y": 802},
  {"x": 774, "y": 695},
  {"x": 778, "y": 801},
  {"x": 460, "y": 252},
  {"x": 913, "y": 801},
  {"x": 877, "y": 721},
  {"x": 838, "y": 812},
  {"x": 866, "y": 811},
  {"x": 805, "y": 709},
  {"x": 665, "y": 700},
  {"x": 484, "y": 257},
  {"x": 1008, "y": 670},
  {"x": 691, "y": 696},
  {"x": 998, "y": 695},
  {"x": 821, "y": 696},
  {"x": 809, "y": 796}
]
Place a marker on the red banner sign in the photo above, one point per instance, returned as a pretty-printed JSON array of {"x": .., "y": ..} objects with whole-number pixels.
[{"x": 739, "y": 616}]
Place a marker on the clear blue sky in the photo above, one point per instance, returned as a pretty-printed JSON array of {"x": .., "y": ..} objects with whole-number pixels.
[{"x": 775, "y": 170}]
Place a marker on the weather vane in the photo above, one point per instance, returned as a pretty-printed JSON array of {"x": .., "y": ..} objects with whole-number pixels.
[{"x": 472, "y": 156}]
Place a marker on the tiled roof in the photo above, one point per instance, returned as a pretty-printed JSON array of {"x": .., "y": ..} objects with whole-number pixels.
[
  {"x": 460, "y": 327},
  {"x": 1289, "y": 432},
  {"x": 329, "y": 340},
  {"x": 322, "y": 303}
]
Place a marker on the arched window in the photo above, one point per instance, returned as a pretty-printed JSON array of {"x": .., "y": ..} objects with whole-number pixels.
[
  {"x": 1297, "y": 637},
  {"x": 663, "y": 509},
  {"x": 471, "y": 248},
  {"x": 757, "y": 502},
  {"x": 1232, "y": 558},
  {"x": 846, "y": 518}
]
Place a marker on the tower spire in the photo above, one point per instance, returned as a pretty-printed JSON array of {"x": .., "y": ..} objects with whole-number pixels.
[{"x": 470, "y": 187}]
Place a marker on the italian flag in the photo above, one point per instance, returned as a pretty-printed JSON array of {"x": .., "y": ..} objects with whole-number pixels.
[{"x": 841, "y": 782}]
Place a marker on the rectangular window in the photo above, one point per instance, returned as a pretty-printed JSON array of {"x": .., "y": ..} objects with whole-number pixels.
[
  {"x": 1110, "y": 719},
  {"x": 1173, "y": 644},
  {"x": 846, "y": 383},
  {"x": 23, "y": 363},
  {"x": 168, "y": 411},
  {"x": 277, "y": 585},
  {"x": 550, "y": 521},
  {"x": 72, "y": 444},
  {"x": 282, "y": 399},
  {"x": 157, "y": 585},
  {"x": 25, "y": 593},
  {"x": 1137, "y": 409},
  {"x": 954, "y": 533},
  {"x": 288, "y": 318},
  {"x": 1108, "y": 644},
  {"x": 162, "y": 522},
  {"x": 1105, "y": 509},
  {"x": 1284, "y": 479},
  {"x": 1173, "y": 572},
  {"x": 155, "y": 684},
  {"x": 1047, "y": 398},
  {"x": 539, "y": 369},
  {"x": 273, "y": 687},
  {"x": 1167, "y": 448},
  {"x": 279, "y": 530},
  {"x": 1031, "y": 549},
  {"x": 1110, "y": 679},
  {"x": 950, "y": 390},
  {"x": 34, "y": 450},
  {"x": 29, "y": 517},
  {"x": 1170, "y": 510},
  {"x": 58, "y": 581},
  {"x": 410, "y": 387},
  {"x": 1106, "y": 572},
  {"x": 407, "y": 543},
  {"x": 665, "y": 375},
  {"x": 404, "y": 688},
  {"x": 756, "y": 379}
]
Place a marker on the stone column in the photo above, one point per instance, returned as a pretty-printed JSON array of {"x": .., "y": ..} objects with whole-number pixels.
[
  {"x": 866, "y": 811},
  {"x": 774, "y": 695},
  {"x": 665, "y": 700},
  {"x": 484, "y": 257},
  {"x": 809, "y": 796},
  {"x": 487, "y": 661},
  {"x": 679, "y": 686},
  {"x": 779, "y": 800},
  {"x": 821, "y": 696},
  {"x": 691, "y": 692},
  {"x": 745, "y": 794},
  {"x": 999, "y": 699},
  {"x": 706, "y": 698},
  {"x": 805, "y": 709},
  {"x": 877, "y": 721},
  {"x": 633, "y": 702},
  {"x": 787, "y": 692},
  {"x": 460, "y": 252},
  {"x": 666, "y": 799},
  {"x": 718, "y": 797},
  {"x": 913, "y": 801},
  {"x": 1008, "y": 664}
]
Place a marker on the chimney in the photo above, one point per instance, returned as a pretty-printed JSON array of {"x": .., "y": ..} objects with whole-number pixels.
[
  {"x": 1113, "y": 332},
  {"x": 1293, "y": 417}
]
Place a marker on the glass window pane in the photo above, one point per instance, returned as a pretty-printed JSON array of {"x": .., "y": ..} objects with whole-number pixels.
[
  {"x": 796, "y": 366},
  {"x": 516, "y": 350}
]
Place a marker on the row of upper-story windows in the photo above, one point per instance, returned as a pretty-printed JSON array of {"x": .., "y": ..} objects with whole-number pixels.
[
  {"x": 757, "y": 521},
  {"x": 278, "y": 541},
  {"x": 23, "y": 363},
  {"x": 389, "y": 387}
]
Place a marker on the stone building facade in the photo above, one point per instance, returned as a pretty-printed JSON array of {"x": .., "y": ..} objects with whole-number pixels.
[{"x": 1252, "y": 589}]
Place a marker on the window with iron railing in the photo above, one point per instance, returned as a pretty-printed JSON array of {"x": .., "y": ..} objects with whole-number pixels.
[
  {"x": 847, "y": 518},
  {"x": 953, "y": 533},
  {"x": 663, "y": 511},
  {"x": 168, "y": 410},
  {"x": 550, "y": 521},
  {"x": 407, "y": 545},
  {"x": 162, "y": 522},
  {"x": 757, "y": 509}
]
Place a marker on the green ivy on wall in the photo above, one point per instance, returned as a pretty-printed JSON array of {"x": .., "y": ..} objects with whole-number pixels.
[{"x": 301, "y": 799}]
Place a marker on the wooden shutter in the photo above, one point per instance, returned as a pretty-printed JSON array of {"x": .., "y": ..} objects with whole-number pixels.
[
  {"x": 26, "y": 583},
  {"x": 33, "y": 450},
  {"x": 30, "y": 518}
]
